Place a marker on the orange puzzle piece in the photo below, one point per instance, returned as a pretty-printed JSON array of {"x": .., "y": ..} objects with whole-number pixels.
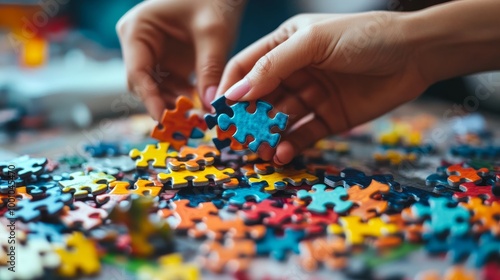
[
  {"x": 191, "y": 158},
  {"x": 331, "y": 251},
  {"x": 188, "y": 216},
  {"x": 485, "y": 217},
  {"x": 368, "y": 206},
  {"x": 214, "y": 227},
  {"x": 141, "y": 187},
  {"x": 459, "y": 174},
  {"x": 232, "y": 256},
  {"x": 175, "y": 126}
]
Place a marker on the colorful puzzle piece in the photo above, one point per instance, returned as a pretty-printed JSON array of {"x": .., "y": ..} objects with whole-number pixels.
[
  {"x": 191, "y": 158},
  {"x": 278, "y": 246},
  {"x": 484, "y": 216},
  {"x": 321, "y": 198},
  {"x": 239, "y": 196},
  {"x": 366, "y": 206},
  {"x": 330, "y": 251},
  {"x": 442, "y": 216},
  {"x": 171, "y": 267},
  {"x": 350, "y": 176},
  {"x": 29, "y": 210},
  {"x": 175, "y": 126},
  {"x": 356, "y": 231},
  {"x": 182, "y": 178},
  {"x": 84, "y": 215},
  {"x": 155, "y": 153},
  {"x": 232, "y": 256},
  {"x": 458, "y": 174},
  {"x": 186, "y": 215},
  {"x": 279, "y": 179},
  {"x": 214, "y": 227},
  {"x": 78, "y": 257},
  {"x": 271, "y": 213},
  {"x": 46, "y": 231},
  {"x": 23, "y": 166},
  {"x": 470, "y": 190},
  {"x": 81, "y": 184},
  {"x": 102, "y": 149},
  {"x": 257, "y": 124},
  {"x": 141, "y": 187}
]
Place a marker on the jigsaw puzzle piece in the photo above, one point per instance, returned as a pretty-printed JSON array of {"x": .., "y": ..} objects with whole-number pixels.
[
  {"x": 279, "y": 179},
  {"x": 241, "y": 195},
  {"x": 471, "y": 190},
  {"x": 73, "y": 161},
  {"x": 485, "y": 217},
  {"x": 350, "y": 176},
  {"x": 182, "y": 178},
  {"x": 214, "y": 227},
  {"x": 83, "y": 215},
  {"x": 257, "y": 124},
  {"x": 232, "y": 256},
  {"x": 270, "y": 213},
  {"x": 196, "y": 196},
  {"x": 321, "y": 199},
  {"x": 357, "y": 232},
  {"x": 458, "y": 174},
  {"x": 394, "y": 157},
  {"x": 79, "y": 256},
  {"x": 170, "y": 267},
  {"x": 188, "y": 216},
  {"x": 330, "y": 251},
  {"x": 155, "y": 153},
  {"x": 366, "y": 206},
  {"x": 141, "y": 187},
  {"x": 191, "y": 158},
  {"x": 102, "y": 149},
  {"x": 46, "y": 231},
  {"x": 81, "y": 184},
  {"x": 23, "y": 166},
  {"x": 278, "y": 246},
  {"x": 442, "y": 216}
]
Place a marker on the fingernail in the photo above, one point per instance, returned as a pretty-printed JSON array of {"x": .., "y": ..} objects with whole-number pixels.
[
  {"x": 209, "y": 95},
  {"x": 238, "y": 90}
]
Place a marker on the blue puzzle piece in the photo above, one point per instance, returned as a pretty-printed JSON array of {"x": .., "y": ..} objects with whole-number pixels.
[
  {"x": 50, "y": 232},
  {"x": 321, "y": 199},
  {"x": 240, "y": 195},
  {"x": 442, "y": 217},
  {"x": 38, "y": 189},
  {"x": 23, "y": 166},
  {"x": 30, "y": 210},
  {"x": 351, "y": 176},
  {"x": 279, "y": 246},
  {"x": 5, "y": 185},
  {"x": 257, "y": 124},
  {"x": 458, "y": 248},
  {"x": 103, "y": 149},
  {"x": 468, "y": 151},
  {"x": 197, "y": 196},
  {"x": 489, "y": 246},
  {"x": 221, "y": 108}
]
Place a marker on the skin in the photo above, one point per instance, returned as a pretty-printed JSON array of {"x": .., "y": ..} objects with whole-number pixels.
[{"x": 332, "y": 72}]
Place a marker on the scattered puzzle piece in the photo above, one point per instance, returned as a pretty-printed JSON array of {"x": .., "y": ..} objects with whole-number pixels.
[
  {"x": 239, "y": 196},
  {"x": 322, "y": 198},
  {"x": 191, "y": 158},
  {"x": 188, "y": 216},
  {"x": 470, "y": 190},
  {"x": 458, "y": 174},
  {"x": 366, "y": 206},
  {"x": 484, "y": 216},
  {"x": 278, "y": 246},
  {"x": 84, "y": 215},
  {"x": 81, "y": 184},
  {"x": 232, "y": 256},
  {"x": 46, "y": 231},
  {"x": 102, "y": 149},
  {"x": 271, "y": 213},
  {"x": 182, "y": 178},
  {"x": 442, "y": 217},
  {"x": 78, "y": 257},
  {"x": 350, "y": 176},
  {"x": 356, "y": 231},
  {"x": 330, "y": 251},
  {"x": 214, "y": 227},
  {"x": 141, "y": 187},
  {"x": 279, "y": 179},
  {"x": 257, "y": 124},
  {"x": 155, "y": 153},
  {"x": 23, "y": 166}
]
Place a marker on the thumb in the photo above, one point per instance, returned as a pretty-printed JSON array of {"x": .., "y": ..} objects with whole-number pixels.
[
  {"x": 211, "y": 52},
  {"x": 295, "y": 53}
]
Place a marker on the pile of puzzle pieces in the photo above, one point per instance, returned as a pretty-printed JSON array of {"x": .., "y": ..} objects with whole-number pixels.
[{"x": 75, "y": 216}]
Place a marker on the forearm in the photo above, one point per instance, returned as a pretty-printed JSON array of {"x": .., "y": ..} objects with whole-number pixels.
[{"x": 456, "y": 38}]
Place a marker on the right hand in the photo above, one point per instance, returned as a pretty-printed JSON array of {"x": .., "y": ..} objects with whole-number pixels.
[{"x": 165, "y": 41}]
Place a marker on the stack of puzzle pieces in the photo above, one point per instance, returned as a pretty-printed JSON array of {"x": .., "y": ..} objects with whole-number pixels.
[{"x": 184, "y": 208}]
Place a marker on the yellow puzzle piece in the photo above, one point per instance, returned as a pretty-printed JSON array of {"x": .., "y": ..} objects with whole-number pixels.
[
  {"x": 141, "y": 187},
  {"x": 171, "y": 267},
  {"x": 355, "y": 230},
  {"x": 278, "y": 180},
  {"x": 79, "y": 256},
  {"x": 156, "y": 153},
  {"x": 82, "y": 184},
  {"x": 181, "y": 178}
]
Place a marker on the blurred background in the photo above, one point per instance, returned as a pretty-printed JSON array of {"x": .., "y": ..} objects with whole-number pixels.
[{"x": 61, "y": 67}]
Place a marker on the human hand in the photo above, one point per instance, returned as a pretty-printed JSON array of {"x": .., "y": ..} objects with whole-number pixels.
[
  {"x": 328, "y": 72},
  {"x": 165, "y": 41}
]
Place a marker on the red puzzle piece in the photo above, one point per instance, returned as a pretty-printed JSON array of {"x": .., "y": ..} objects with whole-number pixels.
[
  {"x": 270, "y": 213},
  {"x": 473, "y": 190}
]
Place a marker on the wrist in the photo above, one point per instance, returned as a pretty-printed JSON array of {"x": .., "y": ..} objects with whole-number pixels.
[{"x": 454, "y": 39}]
